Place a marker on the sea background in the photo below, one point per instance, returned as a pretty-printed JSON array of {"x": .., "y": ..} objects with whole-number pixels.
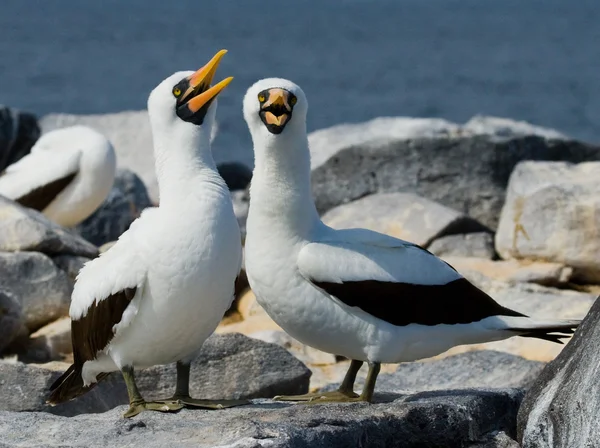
[{"x": 533, "y": 60}]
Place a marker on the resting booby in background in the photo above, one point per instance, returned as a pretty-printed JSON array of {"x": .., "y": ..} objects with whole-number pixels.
[
  {"x": 161, "y": 290},
  {"x": 357, "y": 293},
  {"x": 66, "y": 176}
]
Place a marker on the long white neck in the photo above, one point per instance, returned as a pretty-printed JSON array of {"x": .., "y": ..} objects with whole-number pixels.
[
  {"x": 280, "y": 193},
  {"x": 184, "y": 162}
]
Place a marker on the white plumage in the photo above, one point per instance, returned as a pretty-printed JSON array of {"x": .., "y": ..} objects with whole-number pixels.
[
  {"x": 180, "y": 260},
  {"x": 335, "y": 289},
  {"x": 67, "y": 175}
]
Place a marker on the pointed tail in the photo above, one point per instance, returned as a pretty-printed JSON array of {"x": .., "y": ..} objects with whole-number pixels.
[
  {"x": 553, "y": 331},
  {"x": 70, "y": 385}
]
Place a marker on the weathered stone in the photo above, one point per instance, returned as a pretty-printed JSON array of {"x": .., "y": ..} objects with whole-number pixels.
[
  {"x": 403, "y": 215},
  {"x": 548, "y": 274},
  {"x": 241, "y": 206},
  {"x": 70, "y": 264},
  {"x": 12, "y": 321},
  {"x": 561, "y": 408},
  {"x": 483, "y": 368},
  {"x": 552, "y": 213},
  {"x": 233, "y": 366},
  {"x": 123, "y": 205},
  {"x": 508, "y": 128},
  {"x": 428, "y": 419},
  {"x": 24, "y": 387},
  {"x": 468, "y": 174},
  {"x": 50, "y": 343},
  {"x": 236, "y": 175},
  {"x": 18, "y": 133},
  {"x": 23, "y": 229},
  {"x": 130, "y": 135},
  {"x": 496, "y": 439},
  {"x": 533, "y": 300},
  {"x": 308, "y": 355},
  {"x": 477, "y": 245},
  {"x": 43, "y": 290}
]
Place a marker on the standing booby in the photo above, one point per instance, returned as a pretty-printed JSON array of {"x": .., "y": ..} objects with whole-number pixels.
[
  {"x": 356, "y": 293},
  {"x": 66, "y": 176},
  {"x": 161, "y": 290}
]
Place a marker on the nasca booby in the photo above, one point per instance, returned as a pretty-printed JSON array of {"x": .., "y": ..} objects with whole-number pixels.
[
  {"x": 66, "y": 176},
  {"x": 357, "y": 293},
  {"x": 161, "y": 290}
]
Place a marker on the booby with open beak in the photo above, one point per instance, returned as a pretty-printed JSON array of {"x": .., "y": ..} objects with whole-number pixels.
[
  {"x": 66, "y": 176},
  {"x": 161, "y": 290},
  {"x": 360, "y": 294}
]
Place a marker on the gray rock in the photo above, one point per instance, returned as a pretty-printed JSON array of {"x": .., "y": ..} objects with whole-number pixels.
[
  {"x": 496, "y": 439},
  {"x": 236, "y": 175},
  {"x": 229, "y": 366},
  {"x": 43, "y": 290},
  {"x": 12, "y": 321},
  {"x": 468, "y": 174},
  {"x": 241, "y": 206},
  {"x": 306, "y": 354},
  {"x": 18, "y": 133},
  {"x": 403, "y": 215},
  {"x": 477, "y": 245},
  {"x": 429, "y": 419},
  {"x": 482, "y": 368},
  {"x": 561, "y": 408},
  {"x": 52, "y": 342},
  {"x": 552, "y": 213},
  {"x": 233, "y": 366},
  {"x": 23, "y": 229},
  {"x": 70, "y": 264},
  {"x": 24, "y": 387},
  {"x": 508, "y": 128},
  {"x": 130, "y": 135},
  {"x": 123, "y": 205}
]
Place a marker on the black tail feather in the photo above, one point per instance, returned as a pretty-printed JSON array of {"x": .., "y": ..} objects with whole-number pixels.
[
  {"x": 554, "y": 333},
  {"x": 70, "y": 385}
]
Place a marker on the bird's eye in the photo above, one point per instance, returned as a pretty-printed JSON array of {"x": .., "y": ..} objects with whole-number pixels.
[
  {"x": 176, "y": 91},
  {"x": 293, "y": 100},
  {"x": 261, "y": 97}
]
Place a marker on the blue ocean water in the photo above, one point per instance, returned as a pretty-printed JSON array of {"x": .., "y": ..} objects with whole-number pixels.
[{"x": 535, "y": 60}]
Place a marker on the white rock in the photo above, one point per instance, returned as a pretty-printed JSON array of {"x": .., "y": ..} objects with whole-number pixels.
[
  {"x": 507, "y": 128},
  {"x": 552, "y": 213}
]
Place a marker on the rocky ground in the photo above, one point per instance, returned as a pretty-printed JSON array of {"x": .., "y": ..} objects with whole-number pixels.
[{"x": 511, "y": 206}]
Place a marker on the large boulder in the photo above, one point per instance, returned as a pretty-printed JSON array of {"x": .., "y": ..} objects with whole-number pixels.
[
  {"x": 552, "y": 213},
  {"x": 430, "y": 419},
  {"x": 403, "y": 215},
  {"x": 468, "y": 174},
  {"x": 562, "y": 407},
  {"x": 12, "y": 323},
  {"x": 24, "y": 229},
  {"x": 130, "y": 135},
  {"x": 18, "y": 133},
  {"x": 123, "y": 205},
  {"x": 474, "y": 245},
  {"x": 229, "y": 366},
  {"x": 43, "y": 290}
]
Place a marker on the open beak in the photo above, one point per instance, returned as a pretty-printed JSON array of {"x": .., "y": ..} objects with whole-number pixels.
[
  {"x": 194, "y": 102},
  {"x": 276, "y": 110}
]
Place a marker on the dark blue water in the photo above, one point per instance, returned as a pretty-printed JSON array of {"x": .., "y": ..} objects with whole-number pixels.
[{"x": 535, "y": 60}]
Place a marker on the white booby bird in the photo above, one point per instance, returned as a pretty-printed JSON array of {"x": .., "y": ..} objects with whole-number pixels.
[
  {"x": 356, "y": 293},
  {"x": 161, "y": 290},
  {"x": 66, "y": 176}
]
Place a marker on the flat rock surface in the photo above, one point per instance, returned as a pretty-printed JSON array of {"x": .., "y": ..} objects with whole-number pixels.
[
  {"x": 428, "y": 419},
  {"x": 402, "y": 215},
  {"x": 476, "y": 245},
  {"x": 23, "y": 229},
  {"x": 229, "y": 366},
  {"x": 468, "y": 174},
  {"x": 562, "y": 407},
  {"x": 551, "y": 213},
  {"x": 43, "y": 290},
  {"x": 123, "y": 205}
]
